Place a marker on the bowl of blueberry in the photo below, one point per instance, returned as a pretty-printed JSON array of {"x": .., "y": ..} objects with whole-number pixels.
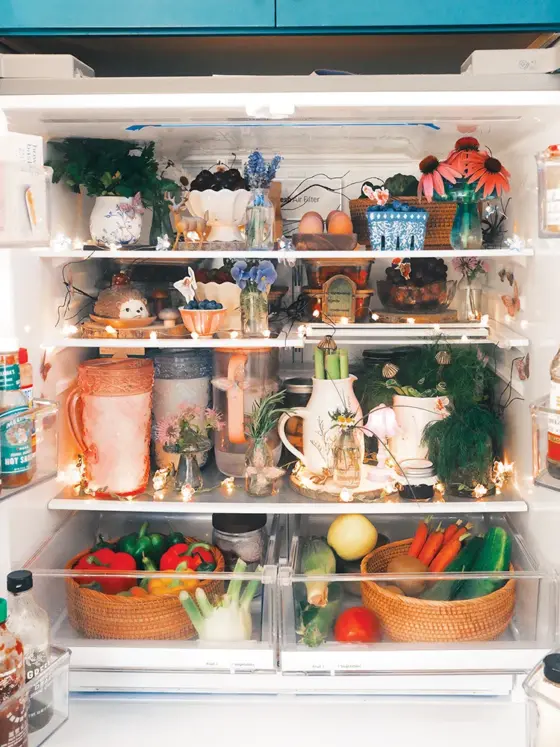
[
  {"x": 221, "y": 198},
  {"x": 203, "y": 318}
]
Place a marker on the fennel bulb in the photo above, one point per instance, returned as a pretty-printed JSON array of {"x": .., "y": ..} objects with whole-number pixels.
[{"x": 230, "y": 620}]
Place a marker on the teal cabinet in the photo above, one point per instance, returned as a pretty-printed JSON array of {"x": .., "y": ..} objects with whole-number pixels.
[
  {"x": 43, "y": 17},
  {"x": 418, "y": 15}
]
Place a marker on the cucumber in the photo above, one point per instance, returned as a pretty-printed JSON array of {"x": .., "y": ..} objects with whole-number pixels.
[
  {"x": 444, "y": 591},
  {"x": 495, "y": 556},
  {"x": 313, "y": 623}
]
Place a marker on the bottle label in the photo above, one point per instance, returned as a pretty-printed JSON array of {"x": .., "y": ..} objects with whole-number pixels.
[
  {"x": 554, "y": 423},
  {"x": 27, "y": 392},
  {"x": 16, "y": 449},
  {"x": 9, "y": 378},
  {"x": 41, "y": 693},
  {"x": 553, "y": 207}
]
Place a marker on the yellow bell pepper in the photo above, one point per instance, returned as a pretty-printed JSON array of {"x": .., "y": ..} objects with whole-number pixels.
[{"x": 161, "y": 587}]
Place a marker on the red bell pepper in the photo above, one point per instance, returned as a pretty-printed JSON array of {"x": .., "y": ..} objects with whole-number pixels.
[
  {"x": 174, "y": 556},
  {"x": 111, "y": 561},
  {"x": 202, "y": 555}
]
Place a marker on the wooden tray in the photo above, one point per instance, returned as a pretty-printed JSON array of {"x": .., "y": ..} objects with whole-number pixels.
[
  {"x": 93, "y": 331},
  {"x": 301, "y": 482},
  {"x": 427, "y": 317}
]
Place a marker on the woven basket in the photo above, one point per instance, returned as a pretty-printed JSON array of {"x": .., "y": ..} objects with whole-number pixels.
[
  {"x": 411, "y": 620},
  {"x": 97, "y": 615},
  {"x": 440, "y": 220}
]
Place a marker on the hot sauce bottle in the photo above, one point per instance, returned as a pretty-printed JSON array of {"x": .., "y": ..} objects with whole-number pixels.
[{"x": 16, "y": 431}]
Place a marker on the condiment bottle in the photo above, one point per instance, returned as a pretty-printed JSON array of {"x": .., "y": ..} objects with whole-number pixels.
[
  {"x": 543, "y": 688},
  {"x": 13, "y": 716},
  {"x": 548, "y": 164},
  {"x": 30, "y": 623},
  {"x": 25, "y": 376},
  {"x": 553, "y": 456},
  {"x": 16, "y": 450}
]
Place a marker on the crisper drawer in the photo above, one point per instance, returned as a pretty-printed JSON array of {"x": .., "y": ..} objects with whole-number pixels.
[
  {"x": 418, "y": 635},
  {"x": 107, "y": 630}
]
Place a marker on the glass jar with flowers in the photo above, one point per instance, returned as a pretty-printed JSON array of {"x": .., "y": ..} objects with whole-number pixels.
[
  {"x": 467, "y": 176},
  {"x": 186, "y": 433},
  {"x": 259, "y": 220},
  {"x": 347, "y": 449},
  {"x": 472, "y": 270},
  {"x": 255, "y": 279},
  {"x": 261, "y": 473}
]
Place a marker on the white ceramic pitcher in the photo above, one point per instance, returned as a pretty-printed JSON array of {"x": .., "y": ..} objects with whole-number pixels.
[
  {"x": 224, "y": 211},
  {"x": 318, "y": 434},
  {"x": 413, "y": 415}
]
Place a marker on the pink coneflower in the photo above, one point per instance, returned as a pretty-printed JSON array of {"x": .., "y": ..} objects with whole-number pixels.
[
  {"x": 433, "y": 174},
  {"x": 213, "y": 419},
  {"x": 167, "y": 430},
  {"x": 489, "y": 174},
  {"x": 465, "y": 153}
]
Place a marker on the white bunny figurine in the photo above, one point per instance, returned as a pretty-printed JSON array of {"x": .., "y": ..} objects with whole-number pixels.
[{"x": 187, "y": 286}]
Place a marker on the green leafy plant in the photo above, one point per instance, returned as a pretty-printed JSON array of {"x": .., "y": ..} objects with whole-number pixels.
[
  {"x": 463, "y": 445},
  {"x": 110, "y": 167},
  {"x": 265, "y": 415},
  {"x": 402, "y": 185}
]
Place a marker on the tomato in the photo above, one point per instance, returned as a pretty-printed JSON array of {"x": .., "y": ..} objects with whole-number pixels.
[{"x": 357, "y": 625}]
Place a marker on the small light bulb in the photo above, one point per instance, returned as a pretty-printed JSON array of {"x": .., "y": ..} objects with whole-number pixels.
[
  {"x": 344, "y": 320},
  {"x": 346, "y": 495},
  {"x": 159, "y": 495},
  {"x": 464, "y": 338},
  {"x": 437, "y": 328},
  {"x": 69, "y": 329},
  {"x": 78, "y": 243},
  {"x": 316, "y": 313},
  {"x": 411, "y": 320},
  {"x": 229, "y": 485},
  {"x": 375, "y": 317},
  {"x": 508, "y": 318},
  {"x": 484, "y": 320},
  {"x": 110, "y": 330},
  {"x": 266, "y": 333},
  {"x": 234, "y": 334},
  {"x": 153, "y": 335},
  {"x": 195, "y": 335},
  {"x": 187, "y": 493}
]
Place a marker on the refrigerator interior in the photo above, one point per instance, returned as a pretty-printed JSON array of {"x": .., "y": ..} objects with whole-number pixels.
[{"x": 350, "y": 130}]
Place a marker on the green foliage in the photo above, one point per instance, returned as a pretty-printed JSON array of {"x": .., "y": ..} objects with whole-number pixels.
[
  {"x": 419, "y": 375},
  {"x": 110, "y": 167},
  {"x": 265, "y": 415},
  {"x": 402, "y": 185},
  {"x": 469, "y": 379},
  {"x": 463, "y": 445}
]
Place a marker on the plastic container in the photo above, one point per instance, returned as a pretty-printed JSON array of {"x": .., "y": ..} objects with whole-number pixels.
[
  {"x": 543, "y": 691},
  {"x": 13, "y": 709},
  {"x": 242, "y": 376},
  {"x": 52, "y": 680}
]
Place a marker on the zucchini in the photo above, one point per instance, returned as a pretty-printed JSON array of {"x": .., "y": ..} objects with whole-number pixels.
[
  {"x": 495, "y": 556},
  {"x": 445, "y": 591},
  {"x": 314, "y": 623}
]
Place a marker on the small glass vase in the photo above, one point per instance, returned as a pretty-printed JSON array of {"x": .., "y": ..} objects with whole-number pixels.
[
  {"x": 347, "y": 459},
  {"x": 467, "y": 229},
  {"x": 188, "y": 472},
  {"x": 254, "y": 312},
  {"x": 261, "y": 474},
  {"x": 161, "y": 222},
  {"x": 259, "y": 221},
  {"x": 472, "y": 300}
]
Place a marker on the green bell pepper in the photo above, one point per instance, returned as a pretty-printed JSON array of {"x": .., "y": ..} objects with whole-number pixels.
[
  {"x": 140, "y": 543},
  {"x": 175, "y": 538}
]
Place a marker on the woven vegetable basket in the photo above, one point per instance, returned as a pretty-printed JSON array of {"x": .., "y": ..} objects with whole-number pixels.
[
  {"x": 98, "y": 615},
  {"x": 440, "y": 220},
  {"x": 411, "y": 620}
]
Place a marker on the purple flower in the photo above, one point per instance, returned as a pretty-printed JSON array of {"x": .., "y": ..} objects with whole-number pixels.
[
  {"x": 265, "y": 275},
  {"x": 240, "y": 273},
  {"x": 258, "y": 172}
]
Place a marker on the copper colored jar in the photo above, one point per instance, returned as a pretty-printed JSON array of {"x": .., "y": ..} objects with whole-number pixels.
[{"x": 109, "y": 413}]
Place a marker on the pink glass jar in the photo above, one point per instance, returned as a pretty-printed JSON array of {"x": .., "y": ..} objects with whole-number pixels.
[{"x": 109, "y": 413}]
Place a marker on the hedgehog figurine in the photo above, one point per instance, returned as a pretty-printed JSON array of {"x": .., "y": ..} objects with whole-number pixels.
[{"x": 121, "y": 302}]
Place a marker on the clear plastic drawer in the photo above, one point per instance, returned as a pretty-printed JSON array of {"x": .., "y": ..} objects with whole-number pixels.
[
  {"x": 503, "y": 631},
  {"x": 135, "y": 620}
]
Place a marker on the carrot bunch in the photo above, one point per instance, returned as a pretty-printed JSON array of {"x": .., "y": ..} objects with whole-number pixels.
[{"x": 438, "y": 548}]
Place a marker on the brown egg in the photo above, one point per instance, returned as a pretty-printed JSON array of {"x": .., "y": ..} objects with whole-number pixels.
[
  {"x": 311, "y": 222},
  {"x": 339, "y": 222}
]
